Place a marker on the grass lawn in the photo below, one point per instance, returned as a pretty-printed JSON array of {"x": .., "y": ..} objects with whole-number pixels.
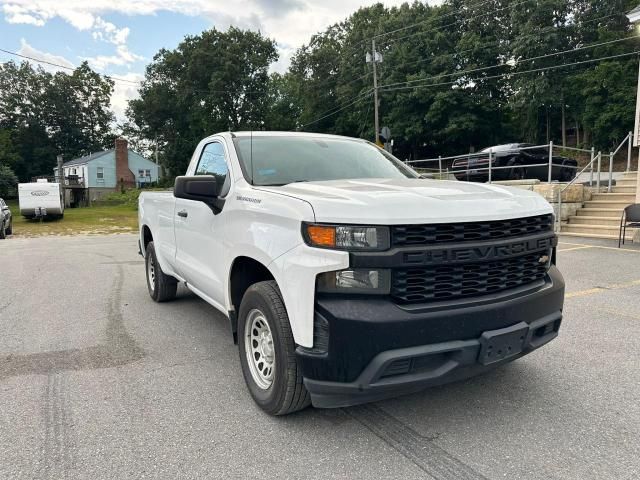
[{"x": 78, "y": 221}]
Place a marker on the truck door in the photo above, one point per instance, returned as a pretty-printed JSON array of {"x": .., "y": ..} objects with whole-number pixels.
[{"x": 198, "y": 232}]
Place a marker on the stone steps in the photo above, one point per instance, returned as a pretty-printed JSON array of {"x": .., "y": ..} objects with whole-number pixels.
[
  {"x": 612, "y": 204},
  {"x": 627, "y": 183},
  {"x": 615, "y": 196},
  {"x": 625, "y": 189},
  {"x": 600, "y": 212},
  {"x": 593, "y": 220},
  {"x": 600, "y": 216},
  {"x": 608, "y": 230}
]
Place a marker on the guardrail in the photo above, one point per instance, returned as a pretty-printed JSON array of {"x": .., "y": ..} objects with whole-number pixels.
[
  {"x": 628, "y": 140},
  {"x": 561, "y": 190}
]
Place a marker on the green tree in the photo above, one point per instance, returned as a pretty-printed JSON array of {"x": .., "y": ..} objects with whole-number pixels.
[
  {"x": 46, "y": 115},
  {"x": 211, "y": 82},
  {"x": 8, "y": 181}
]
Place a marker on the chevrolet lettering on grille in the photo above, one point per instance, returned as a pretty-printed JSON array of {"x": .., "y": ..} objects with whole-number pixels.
[{"x": 478, "y": 253}]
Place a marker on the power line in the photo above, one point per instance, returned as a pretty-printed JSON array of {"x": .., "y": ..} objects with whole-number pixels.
[
  {"x": 333, "y": 111},
  {"x": 539, "y": 57},
  {"x": 66, "y": 67},
  {"x": 439, "y": 17},
  {"x": 513, "y": 74},
  {"x": 493, "y": 44},
  {"x": 458, "y": 21}
]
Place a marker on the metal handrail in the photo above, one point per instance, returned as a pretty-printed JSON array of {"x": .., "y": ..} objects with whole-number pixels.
[
  {"x": 470, "y": 154},
  {"x": 628, "y": 138},
  {"x": 561, "y": 190},
  {"x": 550, "y": 147},
  {"x": 574, "y": 149}
]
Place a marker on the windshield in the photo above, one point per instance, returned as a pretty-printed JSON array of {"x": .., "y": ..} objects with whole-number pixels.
[{"x": 281, "y": 160}]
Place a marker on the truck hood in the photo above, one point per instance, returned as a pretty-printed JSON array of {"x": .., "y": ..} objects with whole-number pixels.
[{"x": 401, "y": 201}]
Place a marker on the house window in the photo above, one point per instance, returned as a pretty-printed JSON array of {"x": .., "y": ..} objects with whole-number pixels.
[
  {"x": 141, "y": 173},
  {"x": 148, "y": 173},
  {"x": 73, "y": 171},
  {"x": 100, "y": 173}
]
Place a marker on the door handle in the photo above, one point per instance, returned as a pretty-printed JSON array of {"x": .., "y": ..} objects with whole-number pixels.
[{"x": 183, "y": 213}]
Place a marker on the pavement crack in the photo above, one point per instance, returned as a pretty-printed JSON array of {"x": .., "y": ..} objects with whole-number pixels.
[{"x": 421, "y": 451}]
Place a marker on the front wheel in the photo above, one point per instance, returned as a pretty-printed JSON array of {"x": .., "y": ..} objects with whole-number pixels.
[
  {"x": 267, "y": 352},
  {"x": 3, "y": 231},
  {"x": 162, "y": 287},
  {"x": 9, "y": 229},
  {"x": 517, "y": 172}
]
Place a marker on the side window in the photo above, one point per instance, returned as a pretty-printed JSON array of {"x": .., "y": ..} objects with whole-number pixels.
[
  {"x": 212, "y": 162},
  {"x": 100, "y": 173}
]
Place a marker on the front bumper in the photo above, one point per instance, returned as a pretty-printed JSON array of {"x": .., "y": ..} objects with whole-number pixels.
[{"x": 377, "y": 349}]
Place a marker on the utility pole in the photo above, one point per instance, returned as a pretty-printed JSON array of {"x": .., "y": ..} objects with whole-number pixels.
[{"x": 375, "y": 57}]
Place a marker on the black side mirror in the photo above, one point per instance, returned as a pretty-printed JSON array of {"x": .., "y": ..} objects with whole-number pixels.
[{"x": 202, "y": 188}]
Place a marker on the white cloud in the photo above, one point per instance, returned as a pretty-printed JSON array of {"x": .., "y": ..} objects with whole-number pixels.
[
  {"x": 108, "y": 32},
  {"x": 289, "y": 22},
  {"x": 122, "y": 93},
  {"x": 28, "y": 51},
  {"x": 122, "y": 57}
]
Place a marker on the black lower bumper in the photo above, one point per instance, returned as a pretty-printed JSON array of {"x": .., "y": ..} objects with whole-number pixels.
[{"x": 377, "y": 349}]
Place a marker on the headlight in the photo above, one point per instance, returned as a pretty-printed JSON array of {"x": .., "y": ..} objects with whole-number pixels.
[
  {"x": 343, "y": 237},
  {"x": 361, "y": 280}
]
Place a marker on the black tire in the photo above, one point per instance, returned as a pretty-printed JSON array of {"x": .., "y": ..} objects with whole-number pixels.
[
  {"x": 9, "y": 229},
  {"x": 3, "y": 232},
  {"x": 162, "y": 287},
  {"x": 286, "y": 393},
  {"x": 566, "y": 174},
  {"x": 517, "y": 172}
]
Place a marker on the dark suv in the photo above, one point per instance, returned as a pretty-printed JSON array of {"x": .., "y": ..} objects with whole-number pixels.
[
  {"x": 520, "y": 159},
  {"x": 6, "y": 220}
]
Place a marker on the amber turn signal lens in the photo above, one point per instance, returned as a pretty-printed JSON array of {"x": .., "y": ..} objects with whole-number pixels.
[{"x": 322, "y": 236}]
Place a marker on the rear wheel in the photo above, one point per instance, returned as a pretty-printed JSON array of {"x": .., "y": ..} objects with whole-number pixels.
[
  {"x": 267, "y": 351},
  {"x": 162, "y": 287},
  {"x": 517, "y": 172},
  {"x": 566, "y": 174}
]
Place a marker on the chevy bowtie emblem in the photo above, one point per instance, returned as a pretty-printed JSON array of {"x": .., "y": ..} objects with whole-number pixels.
[{"x": 543, "y": 259}]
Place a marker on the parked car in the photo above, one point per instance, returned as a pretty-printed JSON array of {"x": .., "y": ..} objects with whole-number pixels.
[
  {"x": 345, "y": 277},
  {"x": 6, "y": 220},
  {"x": 520, "y": 159}
]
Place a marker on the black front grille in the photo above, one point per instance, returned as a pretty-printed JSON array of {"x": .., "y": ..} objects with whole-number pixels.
[
  {"x": 469, "y": 231},
  {"x": 448, "y": 282}
]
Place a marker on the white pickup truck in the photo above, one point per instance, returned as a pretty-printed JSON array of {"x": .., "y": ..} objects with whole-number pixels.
[{"x": 347, "y": 278}]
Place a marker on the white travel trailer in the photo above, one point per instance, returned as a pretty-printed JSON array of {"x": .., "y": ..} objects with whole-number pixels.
[{"x": 40, "y": 199}]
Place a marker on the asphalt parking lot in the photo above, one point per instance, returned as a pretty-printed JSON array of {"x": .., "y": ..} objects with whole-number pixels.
[{"x": 97, "y": 381}]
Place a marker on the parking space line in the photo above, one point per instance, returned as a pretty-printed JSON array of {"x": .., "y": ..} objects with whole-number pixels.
[
  {"x": 575, "y": 248},
  {"x": 599, "y": 246},
  {"x": 591, "y": 291}
]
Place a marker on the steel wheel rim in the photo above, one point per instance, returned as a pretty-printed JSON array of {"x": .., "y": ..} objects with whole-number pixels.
[
  {"x": 259, "y": 350},
  {"x": 151, "y": 274}
]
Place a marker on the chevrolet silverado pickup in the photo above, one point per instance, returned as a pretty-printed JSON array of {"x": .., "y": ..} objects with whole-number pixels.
[{"x": 345, "y": 277}]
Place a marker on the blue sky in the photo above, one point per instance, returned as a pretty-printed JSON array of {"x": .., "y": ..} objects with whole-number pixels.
[{"x": 119, "y": 37}]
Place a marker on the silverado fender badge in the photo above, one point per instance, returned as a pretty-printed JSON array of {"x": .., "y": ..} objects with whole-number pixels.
[{"x": 248, "y": 199}]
